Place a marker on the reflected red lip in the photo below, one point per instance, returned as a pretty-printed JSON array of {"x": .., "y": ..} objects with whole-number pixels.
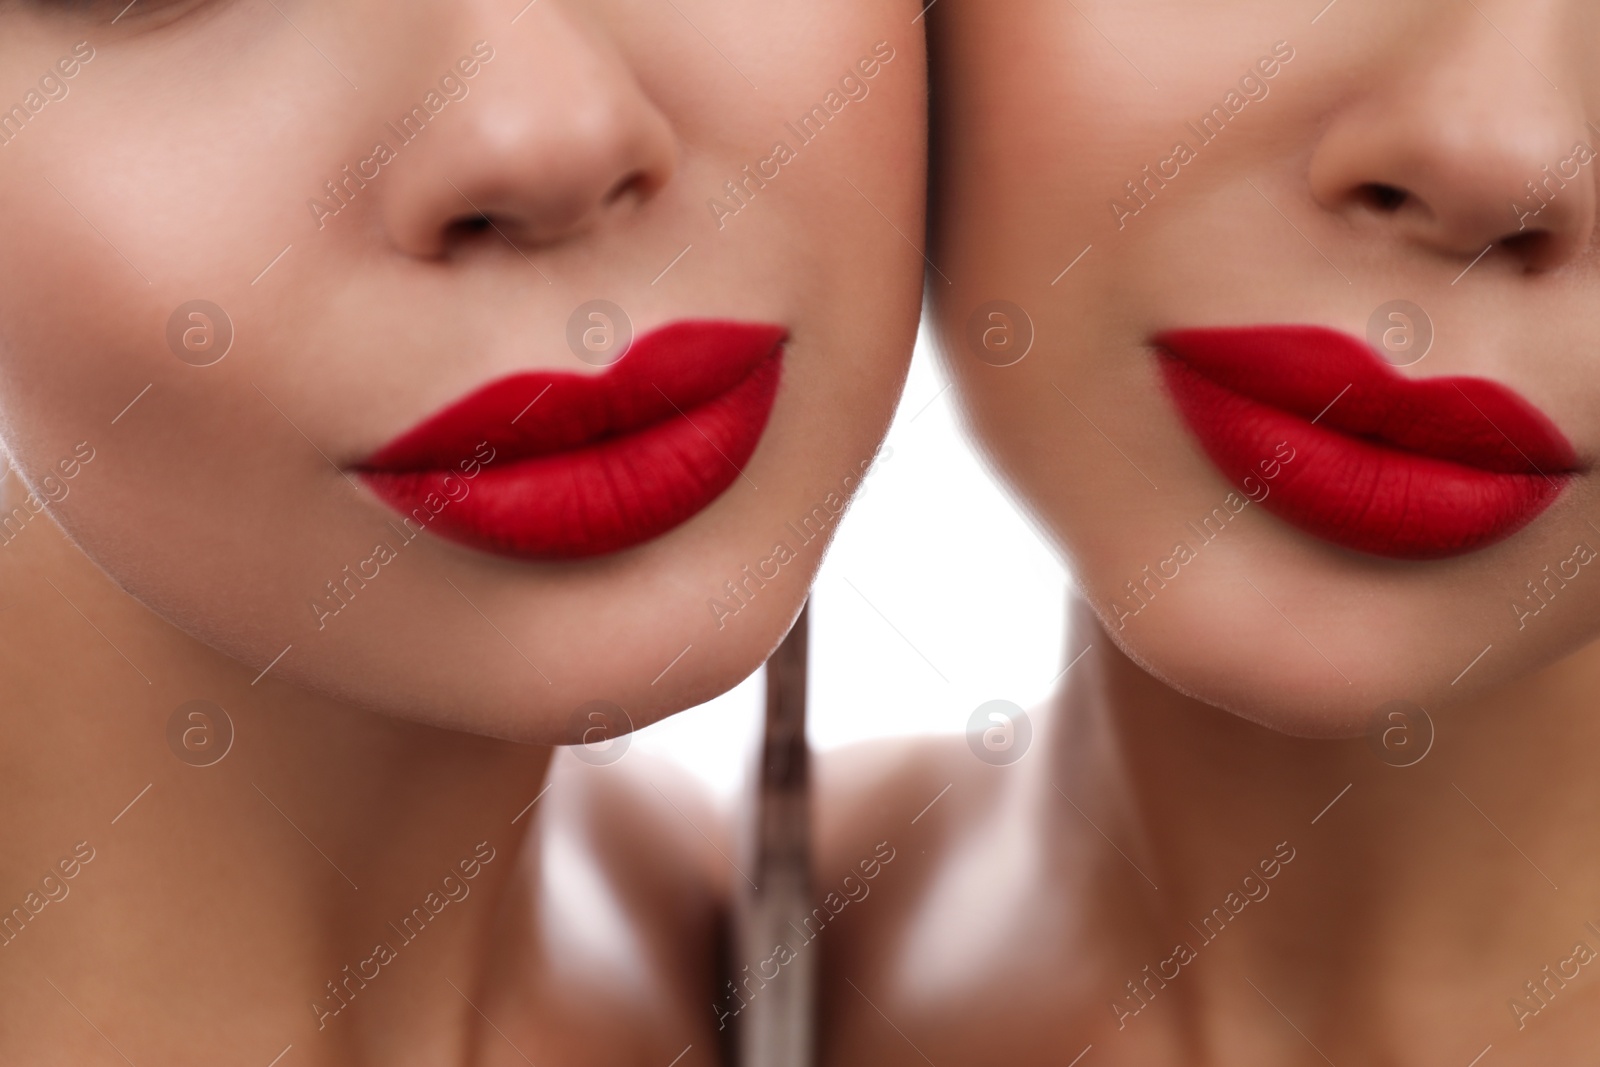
[
  {"x": 1394, "y": 466},
  {"x": 562, "y": 466}
]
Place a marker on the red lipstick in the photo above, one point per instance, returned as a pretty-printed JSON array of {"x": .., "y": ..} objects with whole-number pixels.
[
  {"x": 564, "y": 466},
  {"x": 1385, "y": 464}
]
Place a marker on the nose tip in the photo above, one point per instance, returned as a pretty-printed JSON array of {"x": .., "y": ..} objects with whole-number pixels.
[
  {"x": 1543, "y": 214},
  {"x": 611, "y": 152},
  {"x": 1464, "y": 151},
  {"x": 555, "y": 139},
  {"x": 608, "y": 155}
]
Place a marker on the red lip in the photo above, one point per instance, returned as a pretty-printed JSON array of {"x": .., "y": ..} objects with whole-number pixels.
[
  {"x": 1393, "y": 466},
  {"x": 562, "y": 466}
]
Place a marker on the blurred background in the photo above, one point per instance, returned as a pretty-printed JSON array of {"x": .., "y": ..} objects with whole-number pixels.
[{"x": 936, "y": 596}]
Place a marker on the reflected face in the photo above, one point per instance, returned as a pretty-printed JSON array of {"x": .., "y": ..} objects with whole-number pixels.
[
  {"x": 1280, "y": 322},
  {"x": 492, "y": 361}
]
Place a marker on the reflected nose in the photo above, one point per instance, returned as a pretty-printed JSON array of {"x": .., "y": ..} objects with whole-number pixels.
[
  {"x": 1468, "y": 148},
  {"x": 553, "y": 136}
]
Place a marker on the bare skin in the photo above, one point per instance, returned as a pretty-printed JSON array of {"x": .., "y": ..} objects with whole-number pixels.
[
  {"x": 1316, "y": 903},
  {"x": 239, "y": 890},
  {"x": 388, "y": 865},
  {"x": 1402, "y": 930}
]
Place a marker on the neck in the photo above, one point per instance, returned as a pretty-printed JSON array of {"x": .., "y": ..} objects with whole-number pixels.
[
  {"x": 1402, "y": 901},
  {"x": 332, "y": 855}
]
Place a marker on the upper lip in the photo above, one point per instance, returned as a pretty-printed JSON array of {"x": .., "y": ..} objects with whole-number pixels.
[
  {"x": 536, "y": 413},
  {"x": 1334, "y": 379}
]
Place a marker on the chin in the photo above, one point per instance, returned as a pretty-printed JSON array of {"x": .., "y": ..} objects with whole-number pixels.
[
  {"x": 1437, "y": 642},
  {"x": 1287, "y": 694}
]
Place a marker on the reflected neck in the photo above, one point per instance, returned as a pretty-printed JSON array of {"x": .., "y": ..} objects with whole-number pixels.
[{"x": 1319, "y": 871}]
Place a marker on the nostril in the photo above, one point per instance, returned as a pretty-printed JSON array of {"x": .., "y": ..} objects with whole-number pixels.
[
  {"x": 1534, "y": 247},
  {"x": 1384, "y": 198},
  {"x": 638, "y": 183},
  {"x": 467, "y": 228}
]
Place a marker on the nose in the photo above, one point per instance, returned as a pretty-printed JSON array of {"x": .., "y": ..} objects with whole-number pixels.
[
  {"x": 1469, "y": 146},
  {"x": 549, "y": 139}
]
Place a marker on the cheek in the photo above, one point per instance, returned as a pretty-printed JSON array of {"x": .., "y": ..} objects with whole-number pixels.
[
  {"x": 200, "y": 467},
  {"x": 172, "y": 209},
  {"x": 68, "y": 363},
  {"x": 184, "y": 201},
  {"x": 1044, "y": 129}
]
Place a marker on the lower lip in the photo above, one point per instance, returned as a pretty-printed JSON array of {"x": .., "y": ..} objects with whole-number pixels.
[
  {"x": 1378, "y": 463},
  {"x": 562, "y": 481}
]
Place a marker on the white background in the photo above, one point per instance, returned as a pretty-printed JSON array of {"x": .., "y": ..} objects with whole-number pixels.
[{"x": 936, "y": 596}]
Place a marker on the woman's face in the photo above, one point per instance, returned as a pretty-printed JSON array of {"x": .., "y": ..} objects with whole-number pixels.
[
  {"x": 1311, "y": 401},
  {"x": 285, "y": 284}
]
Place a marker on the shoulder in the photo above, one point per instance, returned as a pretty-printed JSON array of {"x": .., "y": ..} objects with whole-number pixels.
[
  {"x": 967, "y": 940},
  {"x": 892, "y": 819},
  {"x": 645, "y": 825},
  {"x": 629, "y": 908},
  {"x": 917, "y": 791}
]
